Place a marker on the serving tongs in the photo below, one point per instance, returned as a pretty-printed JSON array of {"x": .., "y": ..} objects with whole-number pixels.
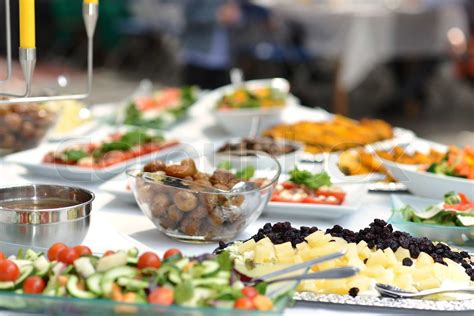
[{"x": 336, "y": 273}]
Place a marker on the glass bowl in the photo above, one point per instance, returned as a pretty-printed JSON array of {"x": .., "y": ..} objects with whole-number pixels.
[
  {"x": 205, "y": 214},
  {"x": 24, "y": 126},
  {"x": 461, "y": 236}
]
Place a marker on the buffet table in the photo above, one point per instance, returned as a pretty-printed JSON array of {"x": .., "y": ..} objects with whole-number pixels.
[{"x": 116, "y": 224}]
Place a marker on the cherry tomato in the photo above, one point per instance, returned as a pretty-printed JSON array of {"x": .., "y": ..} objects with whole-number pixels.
[
  {"x": 161, "y": 296},
  {"x": 244, "y": 303},
  {"x": 54, "y": 250},
  {"x": 9, "y": 271},
  {"x": 249, "y": 291},
  {"x": 83, "y": 250},
  {"x": 68, "y": 255},
  {"x": 262, "y": 303},
  {"x": 172, "y": 252},
  {"x": 464, "y": 199},
  {"x": 287, "y": 185},
  {"x": 149, "y": 260},
  {"x": 2, "y": 256},
  {"x": 34, "y": 285},
  {"x": 108, "y": 253}
]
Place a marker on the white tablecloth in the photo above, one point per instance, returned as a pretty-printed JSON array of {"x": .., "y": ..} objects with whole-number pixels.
[
  {"x": 363, "y": 34},
  {"x": 117, "y": 225}
]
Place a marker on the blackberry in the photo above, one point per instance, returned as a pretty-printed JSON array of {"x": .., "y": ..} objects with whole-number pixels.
[
  {"x": 354, "y": 291},
  {"x": 407, "y": 262}
]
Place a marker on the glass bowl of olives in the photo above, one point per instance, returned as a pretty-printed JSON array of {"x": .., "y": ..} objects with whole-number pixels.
[
  {"x": 24, "y": 126},
  {"x": 208, "y": 199}
]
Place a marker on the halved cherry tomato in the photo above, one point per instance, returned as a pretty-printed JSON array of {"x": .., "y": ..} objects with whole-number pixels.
[
  {"x": 287, "y": 185},
  {"x": 9, "y": 271},
  {"x": 108, "y": 253},
  {"x": 249, "y": 291},
  {"x": 68, "y": 255},
  {"x": 172, "y": 252},
  {"x": 34, "y": 285},
  {"x": 83, "y": 251},
  {"x": 161, "y": 296},
  {"x": 54, "y": 251},
  {"x": 464, "y": 199},
  {"x": 244, "y": 303},
  {"x": 2, "y": 256},
  {"x": 149, "y": 260},
  {"x": 277, "y": 198}
]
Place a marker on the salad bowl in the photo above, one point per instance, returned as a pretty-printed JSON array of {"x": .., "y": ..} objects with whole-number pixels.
[
  {"x": 457, "y": 235},
  {"x": 427, "y": 184}
]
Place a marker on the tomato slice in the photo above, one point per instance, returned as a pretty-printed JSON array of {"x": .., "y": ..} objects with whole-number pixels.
[
  {"x": 287, "y": 185},
  {"x": 464, "y": 199}
]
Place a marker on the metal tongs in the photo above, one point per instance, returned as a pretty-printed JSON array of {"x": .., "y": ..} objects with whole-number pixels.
[
  {"x": 336, "y": 273},
  {"x": 395, "y": 292}
]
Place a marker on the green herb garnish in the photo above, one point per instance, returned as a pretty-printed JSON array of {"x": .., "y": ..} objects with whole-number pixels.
[
  {"x": 313, "y": 181},
  {"x": 74, "y": 155},
  {"x": 225, "y": 165},
  {"x": 183, "y": 292},
  {"x": 224, "y": 260},
  {"x": 246, "y": 173}
]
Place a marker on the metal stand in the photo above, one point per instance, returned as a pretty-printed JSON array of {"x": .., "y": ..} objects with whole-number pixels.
[{"x": 90, "y": 13}]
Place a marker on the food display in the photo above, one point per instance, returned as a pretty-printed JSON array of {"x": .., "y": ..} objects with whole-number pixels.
[
  {"x": 268, "y": 145},
  {"x": 207, "y": 206},
  {"x": 251, "y": 98},
  {"x": 457, "y": 162},
  {"x": 455, "y": 210},
  {"x": 305, "y": 187},
  {"x": 23, "y": 126},
  {"x": 164, "y": 107},
  {"x": 355, "y": 162},
  {"x": 133, "y": 278},
  {"x": 382, "y": 255},
  {"x": 117, "y": 148},
  {"x": 339, "y": 133}
]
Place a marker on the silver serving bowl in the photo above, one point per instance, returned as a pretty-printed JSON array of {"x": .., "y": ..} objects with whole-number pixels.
[{"x": 36, "y": 216}]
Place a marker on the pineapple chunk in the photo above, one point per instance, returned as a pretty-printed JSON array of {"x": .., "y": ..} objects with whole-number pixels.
[
  {"x": 318, "y": 238},
  {"x": 335, "y": 287},
  {"x": 351, "y": 251},
  {"x": 249, "y": 245},
  {"x": 374, "y": 272},
  {"x": 265, "y": 242},
  {"x": 402, "y": 253},
  {"x": 424, "y": 260},
  {"x": 427, "y": 284},
  {"x": 298, "y": 259},
  {"x": 302, "y": 246},
  {"x": 391, "y": 258},
  {"x": 378, "y": 259},
  {"x": 285, "y": 252},
  {"x": 265, "y": 254},
  {"x": 403, "y": 281},
  {"x": 423, "y": 273},
  {"x": 361, "y": 282}
]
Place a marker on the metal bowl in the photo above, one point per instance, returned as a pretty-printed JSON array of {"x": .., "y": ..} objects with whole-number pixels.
[{"x": 36, "y": 216}]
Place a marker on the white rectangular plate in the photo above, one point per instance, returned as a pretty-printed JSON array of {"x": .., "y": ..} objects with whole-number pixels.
[
  {"x": 354, "y": 196},
  {"x": 32, "y": 160}
]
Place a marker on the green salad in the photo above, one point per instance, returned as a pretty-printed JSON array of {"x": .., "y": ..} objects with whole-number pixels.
[
  {"x": 455, "y": 210},
  {"x": 163, "y": 108}
]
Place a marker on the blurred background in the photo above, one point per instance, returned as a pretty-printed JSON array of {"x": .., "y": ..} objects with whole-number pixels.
[{"x": 410, "y": 62}]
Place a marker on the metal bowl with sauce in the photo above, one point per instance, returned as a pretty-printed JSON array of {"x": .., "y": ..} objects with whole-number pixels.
[{"x": 36, "y": 216}]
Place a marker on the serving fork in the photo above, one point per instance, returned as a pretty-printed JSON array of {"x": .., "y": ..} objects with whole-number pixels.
[{"x": 395, "y": 292}]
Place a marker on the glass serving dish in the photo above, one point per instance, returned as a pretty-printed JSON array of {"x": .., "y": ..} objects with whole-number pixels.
[
  {"x": 24, "y": 126},
  {"x": 23, "y": 304},
  {"x": 213, "y": 214},
  {"x": 461, "y": 236}
]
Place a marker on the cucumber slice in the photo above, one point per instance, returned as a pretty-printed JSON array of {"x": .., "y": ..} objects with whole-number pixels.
[
  {"x": 22, "y": 262},
  {"x": 42, "y": 266},
  {"x": 182, "y": 263},
  {"x": 115, "y": 273},
  {"x": 223, "y": 275},
  {"x": 58, "y": 267},
  {"x": 174, "y": 277},
  {"x": 133, "y": 252},
  {"x": 77, "y": 292},
  {"x": 7, "y": 286},
  {"x": 25, "y": 272},
  {"x": 116, "y": 260},
  {"x": 210, "y": 267},
  {"x": 132, "y": 284},
  {"x": 210, "y": 281},
  {"x": 132, "y": 260},
  {"x": 31, "y": 255},
  {"x": 84, "y": 267},
  {"x": 94, "y": 283}
]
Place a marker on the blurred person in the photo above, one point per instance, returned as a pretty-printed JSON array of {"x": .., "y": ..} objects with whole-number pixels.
[{"x": 207, "y": 44}]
